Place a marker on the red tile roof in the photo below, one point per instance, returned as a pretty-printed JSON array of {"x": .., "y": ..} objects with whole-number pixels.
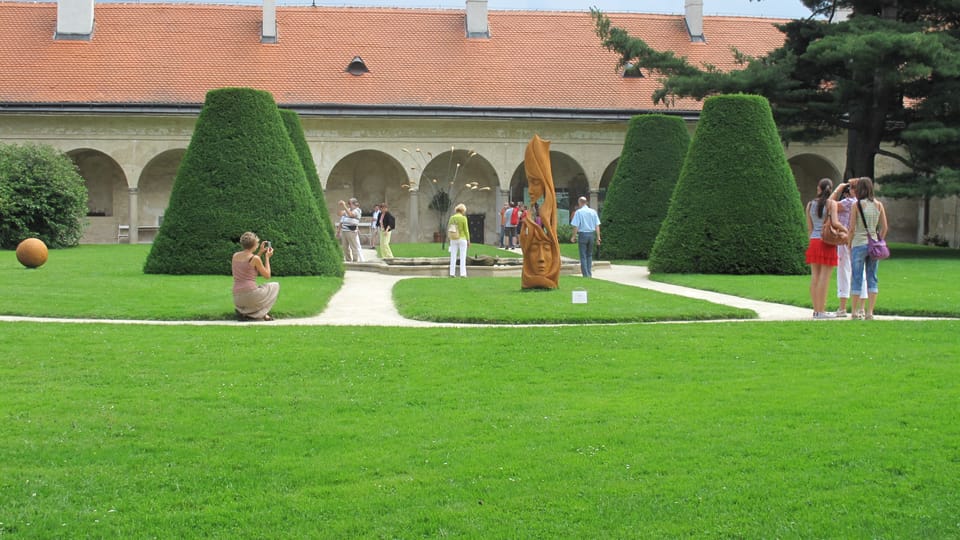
[{"x": 172, "y": 54}]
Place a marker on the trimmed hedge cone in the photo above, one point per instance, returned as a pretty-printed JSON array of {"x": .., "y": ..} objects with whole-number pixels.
[
  {"x": 639, "y": 194},
  {"x": 333, "y": 259},
  {"x": 736, "y": 208},
  {"x": 240, "y": 173}
]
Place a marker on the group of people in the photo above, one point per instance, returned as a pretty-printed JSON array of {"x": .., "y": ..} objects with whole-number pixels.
[
  {"x": 585, "y": 222},
  {"x": 382, "y": 226},
  {"x": 511, "y": 219},
  {"x": 850, "y": 207}
]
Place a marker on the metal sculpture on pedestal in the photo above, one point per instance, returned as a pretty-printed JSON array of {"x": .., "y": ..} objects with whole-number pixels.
[{"x": 538, "y": 232}]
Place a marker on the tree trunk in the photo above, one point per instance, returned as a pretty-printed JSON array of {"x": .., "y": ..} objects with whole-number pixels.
[
  {"x": 868, "y": 124},
  {"x": 860, "y": 155}
]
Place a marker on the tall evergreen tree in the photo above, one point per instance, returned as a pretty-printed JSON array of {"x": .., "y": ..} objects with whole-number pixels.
[
  {"x": 639, "y": 194},
  {"x": 862, "y": 76},
  {"x": 333, "y": 258},
  {"x": 239, "y": 173},
  {"x": 736, "y": 208}
]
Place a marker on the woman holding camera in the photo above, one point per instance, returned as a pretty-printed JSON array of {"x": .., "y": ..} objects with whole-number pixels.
[
  {"x": 846, "y": 198},
  {"x": 252, "y": 301}
]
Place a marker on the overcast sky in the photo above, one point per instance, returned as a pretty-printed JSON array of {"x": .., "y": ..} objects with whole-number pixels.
[{"x": 790, "y": 9}]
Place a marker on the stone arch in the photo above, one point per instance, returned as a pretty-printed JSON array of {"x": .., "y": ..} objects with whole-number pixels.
[
  {"x": 605, "y": 183},
  {"x": 466, "y": 177},
  {"x": 808, "y": 169},
  {"x": 108, "y": 200},
  {"x": 569, "y": 180},
  {"x": 372, "y": 177},
  {"x": 156, "y": 183}
]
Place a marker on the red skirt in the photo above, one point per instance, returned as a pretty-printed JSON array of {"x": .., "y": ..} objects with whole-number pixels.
[{"x": 819, "y": 252}]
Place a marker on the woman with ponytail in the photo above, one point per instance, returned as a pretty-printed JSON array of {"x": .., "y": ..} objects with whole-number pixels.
[{"x": 821, "y": 257}]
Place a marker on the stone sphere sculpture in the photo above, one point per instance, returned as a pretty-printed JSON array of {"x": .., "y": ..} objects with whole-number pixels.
[{"x": 32, "y": 252}]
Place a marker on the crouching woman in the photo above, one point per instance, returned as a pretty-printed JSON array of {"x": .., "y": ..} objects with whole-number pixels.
[{"x": 252, "y": 301}]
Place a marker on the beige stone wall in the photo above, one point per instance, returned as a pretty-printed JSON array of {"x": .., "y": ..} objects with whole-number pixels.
[{"x": 130, "y": 161}]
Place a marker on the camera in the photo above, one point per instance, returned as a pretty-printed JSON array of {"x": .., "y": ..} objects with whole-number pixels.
[{"x": 267, "y": 244}]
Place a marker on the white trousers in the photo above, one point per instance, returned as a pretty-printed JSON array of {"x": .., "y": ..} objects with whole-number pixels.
[
  {"x": 458, "y": 246},
  {"x": 844, "y": 273}
]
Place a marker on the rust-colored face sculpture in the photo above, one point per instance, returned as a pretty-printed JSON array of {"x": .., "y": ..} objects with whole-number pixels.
[{"x": 541, "y": 249}]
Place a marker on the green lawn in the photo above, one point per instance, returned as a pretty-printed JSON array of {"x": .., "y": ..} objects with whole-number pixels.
[
  {"x": 502, "y": 301},
  {"x": 915, "y": 281},
  {"x": 107, "y": 281},
  {"x": 734, "y": 430},
  {"x": 438, "y": 250},
  {"x": 729, "y": 430}
]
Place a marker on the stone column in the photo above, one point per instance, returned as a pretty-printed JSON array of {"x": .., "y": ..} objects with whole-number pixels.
[
  {"x": 594, "y": 197},
  {"x": 134, "y": 214},
  {"x": 414, "y": 211}
]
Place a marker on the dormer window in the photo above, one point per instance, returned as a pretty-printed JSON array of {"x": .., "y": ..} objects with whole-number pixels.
[
  {"x": 357, "y": 66},
  {"x": 632, "y": 71}
]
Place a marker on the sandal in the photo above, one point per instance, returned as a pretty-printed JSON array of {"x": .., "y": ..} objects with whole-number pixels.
[{"x": 267, "y": 318}]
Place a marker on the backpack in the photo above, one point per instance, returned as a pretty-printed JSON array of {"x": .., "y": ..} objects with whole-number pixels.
[
  {"x": 453, "y": 232},
  {"x": 515, "y": 216}
]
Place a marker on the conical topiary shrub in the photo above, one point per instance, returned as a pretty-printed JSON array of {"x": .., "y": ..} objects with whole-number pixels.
[
  {"x": 736, "y": 208},
  {"x": 639, "y": 194},
  {"x": 240, "y": 173},
  {"x": 333, "y": 257}
]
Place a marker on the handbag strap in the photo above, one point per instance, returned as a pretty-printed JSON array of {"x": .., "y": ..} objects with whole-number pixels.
[{"x": 866, "y": 228}]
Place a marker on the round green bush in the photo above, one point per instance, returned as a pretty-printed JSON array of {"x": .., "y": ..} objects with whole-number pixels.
[
  {"x": 42, "y": 195},
  {"x": 736, "y": 208},
  {"x": 240, "y": 173},
  {"x": 639, "y": 193}
]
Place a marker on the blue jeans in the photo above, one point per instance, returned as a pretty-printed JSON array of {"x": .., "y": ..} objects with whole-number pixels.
[
  {"x": 858, "y": 261},
  {"x": 586, "y": 241}
]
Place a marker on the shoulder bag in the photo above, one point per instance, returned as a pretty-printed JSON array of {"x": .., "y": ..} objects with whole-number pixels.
[
  {"x": 876, "y": 249},
  {"x": 830, "y": 233}
]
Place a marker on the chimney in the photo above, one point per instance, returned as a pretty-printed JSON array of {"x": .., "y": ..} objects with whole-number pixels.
[
  {"x": 693, "y": 15},
  {"x": 269, "y": 33},
  {"x": 477, "y": 24},
  {"x": 74, "y": 19}
]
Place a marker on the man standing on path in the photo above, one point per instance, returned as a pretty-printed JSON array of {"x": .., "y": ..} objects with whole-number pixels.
[
  {"x": 349, "y": 233},
  {"x": 586, "y": 233}
]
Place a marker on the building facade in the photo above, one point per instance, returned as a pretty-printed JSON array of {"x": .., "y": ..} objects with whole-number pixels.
[{"x": 457, "y": 106}]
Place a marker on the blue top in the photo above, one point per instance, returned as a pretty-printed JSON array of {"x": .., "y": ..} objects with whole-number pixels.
[
  {"x": 817, "y": 221},
  {"x": 585, "y": 219}
]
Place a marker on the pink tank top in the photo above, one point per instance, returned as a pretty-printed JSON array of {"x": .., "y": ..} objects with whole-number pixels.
[{"x": 244, "y": 275}]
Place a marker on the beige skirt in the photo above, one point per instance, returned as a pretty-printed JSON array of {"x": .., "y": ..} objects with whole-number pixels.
[{"x": 256, "y": 303}]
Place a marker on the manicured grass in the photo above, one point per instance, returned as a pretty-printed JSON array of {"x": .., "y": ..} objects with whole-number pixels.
[
  {"x": 502, "y": 301},
  {"x": 107, "y": 281},
  {"x": 727, "y": 430},
  {"x": 915, "y": 281},
  {"x": 436, "y": 250}
]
